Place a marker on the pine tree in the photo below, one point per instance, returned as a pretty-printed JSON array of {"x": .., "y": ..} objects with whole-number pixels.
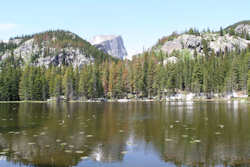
[
  {"x": 231, "y": 31},
  {"x": 150, "y": 76},
  {"x": 9, "y": 79},
  {"x": 83, "y": 83},
  {"x": 197, "y": 79},
  {"x": 57, "y": 86},
  {"x": 221, "y": 31}
]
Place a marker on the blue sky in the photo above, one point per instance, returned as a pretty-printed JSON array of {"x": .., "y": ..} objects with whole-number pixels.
[{"x": 140, "y": 22}]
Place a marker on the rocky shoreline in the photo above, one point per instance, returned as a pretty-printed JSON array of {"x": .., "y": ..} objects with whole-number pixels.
[{"x": 241, "y": 100}]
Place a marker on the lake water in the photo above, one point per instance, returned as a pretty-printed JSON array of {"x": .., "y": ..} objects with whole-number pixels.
[{"x": 136, "y": 134}]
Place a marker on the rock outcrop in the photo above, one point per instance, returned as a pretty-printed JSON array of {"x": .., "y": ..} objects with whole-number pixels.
[
  {"x": 245, "y": 28},
  {"x": 31, "y": 52},
  {"x": 215, "y": 42},
  {"x": 53, "y": 48},
  {"x": 112, "y": 45}
]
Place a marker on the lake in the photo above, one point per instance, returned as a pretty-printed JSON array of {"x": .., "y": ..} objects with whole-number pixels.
[{"x": 135, "y": 134}]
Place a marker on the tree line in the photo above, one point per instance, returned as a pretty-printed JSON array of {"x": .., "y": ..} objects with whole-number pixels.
[{"x": 147, "y": 75}]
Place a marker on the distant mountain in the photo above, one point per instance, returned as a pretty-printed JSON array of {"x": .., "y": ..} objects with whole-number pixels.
[
  {"x": 233, "y": 37},
  {"x": 52, "y": 48},
  {"x": 110, "y": 44}
]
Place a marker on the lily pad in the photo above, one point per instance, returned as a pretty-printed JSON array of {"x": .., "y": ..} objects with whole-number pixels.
[
  {"x": 42, "y": 133},
  {"x": 221, "y": 126},
  {"x": 68, "y": 151},
  {"x": 86, "y": 157},
  {"x": 195, "y": 141},
  {"x": 184, "y": 136},
  {"x": 168, "y": 140},
  {"x": 71, "y": 146},
  {"x": 217, "y": 133},
  {"x": 79, "y": 152},
  {"x": 63, "y": 144},
  {"x": 88, "y": 136},
  {"x": 124, "y": 152}
]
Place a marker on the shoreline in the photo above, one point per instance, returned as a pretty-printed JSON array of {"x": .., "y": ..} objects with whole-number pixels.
[{"x": 246, "y": 100}]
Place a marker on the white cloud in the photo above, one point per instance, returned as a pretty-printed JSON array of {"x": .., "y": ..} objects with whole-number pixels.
[
  {"x": 7, "y": 26},
  {"x": 132, "y": 52}
]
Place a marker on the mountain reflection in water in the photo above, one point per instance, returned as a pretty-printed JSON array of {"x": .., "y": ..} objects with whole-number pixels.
[{"x": 129, "y": 134}]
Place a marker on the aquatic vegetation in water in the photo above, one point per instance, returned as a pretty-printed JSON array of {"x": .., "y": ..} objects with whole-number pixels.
[
  {"x": 88, "y": 136},
  {"x": 58, "y": 140},
  {"x": 63, "y": 144},
  {"x": 6, "y": 150},
  {"x": 79, "y": 152},
  {"x": 85, "y": 157},
  {"x": 112, "y": 138},
  {"x": 42, "y": 133},
  {"x": 184, "y": 136},
  {"x": 195, "y": 141},
  {"x": 168, "y": 140},
  {"x": 71, "y": 146},
  {"x": 124, "y": 152},
  {"x": 68, "y": 151},
  {"x": 221, "y": 126}
]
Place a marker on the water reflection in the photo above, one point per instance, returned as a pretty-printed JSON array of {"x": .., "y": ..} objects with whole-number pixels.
[{"x": 132, "y": 134}]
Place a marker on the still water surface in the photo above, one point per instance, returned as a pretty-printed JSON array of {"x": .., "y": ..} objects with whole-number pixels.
[{"x": 124, "y": 135}]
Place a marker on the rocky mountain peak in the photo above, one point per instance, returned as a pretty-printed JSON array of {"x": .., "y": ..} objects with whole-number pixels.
[
  {"x": 53, "y": 48},
  {"x": 101, "y": 38},
  {"x": 110, "y": 44}
]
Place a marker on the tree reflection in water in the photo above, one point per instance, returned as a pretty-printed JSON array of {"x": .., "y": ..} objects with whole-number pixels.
[{"x": 160, "y": 134}]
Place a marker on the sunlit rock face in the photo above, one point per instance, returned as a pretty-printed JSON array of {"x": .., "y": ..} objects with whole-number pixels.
[
  {"x": 215, "y": 42},
  {"x": 245, "y": 28},
  {"x": 112, "y": 45},
  {"x": 52, "y": 48}
]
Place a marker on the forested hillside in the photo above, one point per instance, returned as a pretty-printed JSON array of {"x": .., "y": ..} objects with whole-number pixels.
[
  {"x": 151, "y": 74},
  {"x": 144, "y": 76},
  {"x": 56, "y": 48}
]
